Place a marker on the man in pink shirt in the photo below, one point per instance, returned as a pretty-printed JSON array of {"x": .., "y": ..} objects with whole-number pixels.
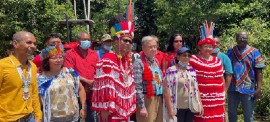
[{"x": 84, "y": 60}]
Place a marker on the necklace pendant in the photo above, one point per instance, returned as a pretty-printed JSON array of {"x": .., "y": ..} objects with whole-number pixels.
[
  {"x": 26, "y": 94},
  {"x": 125, "y": 77}
]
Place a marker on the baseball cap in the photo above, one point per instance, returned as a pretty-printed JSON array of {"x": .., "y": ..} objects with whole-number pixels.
[
  {"x": 106, "y": 37},
  {"x": 183, "y": 50}
]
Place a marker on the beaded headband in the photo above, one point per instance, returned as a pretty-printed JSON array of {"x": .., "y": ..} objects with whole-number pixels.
[{"x": 49, "y": 51}]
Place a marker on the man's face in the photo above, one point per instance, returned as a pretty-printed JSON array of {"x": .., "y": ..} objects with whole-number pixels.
[
  {"x": 150, "y": 48},
  {"x": 217, "y": 40},
  {"x": 53, "y": 41},
  {"x": 242, "y": 39},
  {"x": 125, "y": 44},
  {"x": 107, "y": 43},
  {"x": 84, "y": 37},
  {"x": 26, "y": 46}
]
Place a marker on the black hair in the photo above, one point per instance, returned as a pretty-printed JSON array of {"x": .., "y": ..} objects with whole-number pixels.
[
  {"x": 46, "y": 64},
  {"x": 53, "y": 35},
  {"x": 170, "y": 47}
]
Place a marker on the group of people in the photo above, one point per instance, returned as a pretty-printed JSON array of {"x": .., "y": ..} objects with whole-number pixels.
[{"x": 114, "y": 84}]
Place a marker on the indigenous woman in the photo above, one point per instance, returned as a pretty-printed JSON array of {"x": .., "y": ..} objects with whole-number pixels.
[
  {"x": 114, "y": 87},
  {"x": 210, "y": 79},
  {"x": 175, "y": 43},
  {"x": 177, "y": 82},
  {"x": 59, "y": 88}
]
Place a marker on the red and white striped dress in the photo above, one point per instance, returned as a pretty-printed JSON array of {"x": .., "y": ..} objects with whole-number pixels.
[
  {"x": 114, "y": 88},
  {"x": 211, "y": 86}
]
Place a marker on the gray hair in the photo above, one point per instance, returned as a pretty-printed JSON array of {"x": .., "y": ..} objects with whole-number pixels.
[
  {"x": 80, "y": 34},
  {"x": 155, "y": 38},
  {"x": 19, "y": 36},
  {"x": 147, "y": 38}
]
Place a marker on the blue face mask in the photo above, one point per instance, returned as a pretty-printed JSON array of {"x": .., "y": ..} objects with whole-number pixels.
[
  {"x": 108, "y": 48},
  {"x": 182, "y": 64},
  {"x": 215, "y": 50},
  {"x": 85, "y": 44}
]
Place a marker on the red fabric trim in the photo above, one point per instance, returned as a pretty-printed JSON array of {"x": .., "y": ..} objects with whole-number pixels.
[
  {"x": 107, "y": 89},
  {"x": 206, "y": 68},
  {"x": 242, "y": 78},
  {"x": 147, "y": 77},
  {"x": 244, "y": 54},
  {"x": 207, "y": 41}
]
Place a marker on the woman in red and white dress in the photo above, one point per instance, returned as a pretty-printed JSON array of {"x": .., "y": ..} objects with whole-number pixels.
[{"x": 210, "y": 79}]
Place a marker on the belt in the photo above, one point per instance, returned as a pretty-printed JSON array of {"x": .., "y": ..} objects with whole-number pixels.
[{"x": 25, "y": 118}]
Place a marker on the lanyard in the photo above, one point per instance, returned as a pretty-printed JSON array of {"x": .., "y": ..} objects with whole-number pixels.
[{"x": 26, "y": 82}]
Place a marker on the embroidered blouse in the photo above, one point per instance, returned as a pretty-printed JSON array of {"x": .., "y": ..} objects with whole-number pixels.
[{"x": 59, "y": 96}]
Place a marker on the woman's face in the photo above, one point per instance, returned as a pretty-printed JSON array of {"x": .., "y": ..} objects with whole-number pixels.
[
  {"x": 184, "y": 58},
  {"x": 56, "y": 62},
  {"x": 206, "y": 50},
  {"x": 177, "y": 42}
]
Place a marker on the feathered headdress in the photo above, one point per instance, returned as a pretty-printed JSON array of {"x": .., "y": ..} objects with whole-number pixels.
[
  {"x": 122, "y": 25},
  {"x": 207, "y": 34},
  {"x": 49, "y": 51}
]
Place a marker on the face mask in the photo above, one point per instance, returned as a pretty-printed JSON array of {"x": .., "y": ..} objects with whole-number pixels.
[
  {"x": 108, "y": 48},
  {"x": 85, "y": 44},
  {"x": 216, "y": 50},
  {"x": 182, "y": 64}
]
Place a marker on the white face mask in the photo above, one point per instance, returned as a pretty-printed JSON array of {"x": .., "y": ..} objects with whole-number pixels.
[{"x": 85, "y": 44}]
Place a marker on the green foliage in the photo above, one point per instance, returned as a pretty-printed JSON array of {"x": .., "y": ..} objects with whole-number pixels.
[
  {"x": 262, "y": 104},
  {"x": 37, "y": 16},
  {"x": 159, "y": 17},
  {"x": 101, "y": 12}
]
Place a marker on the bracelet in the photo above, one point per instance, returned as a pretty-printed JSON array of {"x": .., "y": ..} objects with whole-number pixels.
[{"x": 84, "y": 107}]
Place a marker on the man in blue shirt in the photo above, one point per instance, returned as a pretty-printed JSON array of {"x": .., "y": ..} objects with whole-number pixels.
[
  {"x": 247, "y": 64},
  {"x": 226, "y": 62},
  {"x": 106, "y": 45}
]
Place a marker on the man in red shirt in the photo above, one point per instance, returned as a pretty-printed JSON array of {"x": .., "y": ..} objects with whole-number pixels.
[
  {"x": 53, "y": 39},
  {"x": 84, "y": 60}
]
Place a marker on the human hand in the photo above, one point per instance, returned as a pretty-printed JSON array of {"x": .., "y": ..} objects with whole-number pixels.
[
  {"x": 83, "y": 113},
  {"x": 258, "y": 93},
  {"x": 202, "y": 110},
  {"x": 105, "y": 115},
  {"x": 143, "y": 112},
  {"x": 37, "y": 120},
  {"x": 171, "y": 114}
]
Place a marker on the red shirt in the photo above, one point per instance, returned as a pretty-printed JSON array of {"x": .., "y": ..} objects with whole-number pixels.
[
  {"x": 85, "y": 66},
  {"x": 37, "y": 60},
  {"x": 167, "y": 60}
]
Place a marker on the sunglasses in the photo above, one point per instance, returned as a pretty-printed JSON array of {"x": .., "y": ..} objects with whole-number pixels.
[
  {"x": 175, "y": 41},
  {"x": 127, "y": 40}
]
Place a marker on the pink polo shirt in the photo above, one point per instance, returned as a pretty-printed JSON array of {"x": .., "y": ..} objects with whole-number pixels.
[{"x": 85, "y": 66}]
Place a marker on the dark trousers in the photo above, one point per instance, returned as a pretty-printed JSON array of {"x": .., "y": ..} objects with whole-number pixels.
[
  {"x": 184, "y": 115},
  {"x": 91, "y": 115}
]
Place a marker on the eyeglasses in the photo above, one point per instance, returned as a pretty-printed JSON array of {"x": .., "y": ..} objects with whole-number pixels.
[
  {"x": 57, "y": 57},
  {"x": 207, "y": 46},
  {"x": 127, "y": 40},
  {"x": 175, "y": 41}
]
